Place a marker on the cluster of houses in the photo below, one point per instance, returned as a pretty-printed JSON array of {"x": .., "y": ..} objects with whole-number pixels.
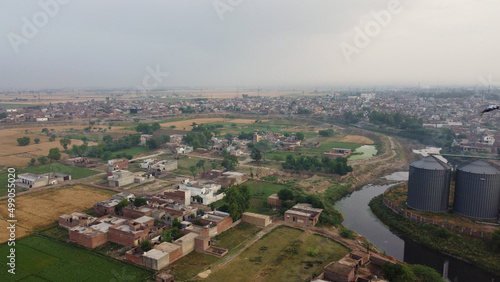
[
  {"x": 119, "y": 175},
  {"x": 130, "y": 226}
]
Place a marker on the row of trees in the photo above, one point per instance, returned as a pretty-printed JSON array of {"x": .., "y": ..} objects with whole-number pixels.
[
  {"x": 314, "y": 164},
  {"x": 237, "y": 200},
  {"x": 146, "y": 128},
  {"x": 397, "y": 120}
]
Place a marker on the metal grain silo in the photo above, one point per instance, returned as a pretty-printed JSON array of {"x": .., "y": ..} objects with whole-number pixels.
[
  {"x": 477, "y": 190},
  {"x": 429, "y": 185}
]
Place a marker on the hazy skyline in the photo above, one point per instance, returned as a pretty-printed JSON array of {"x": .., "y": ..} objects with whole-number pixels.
[{"x": 53, "y": 44}]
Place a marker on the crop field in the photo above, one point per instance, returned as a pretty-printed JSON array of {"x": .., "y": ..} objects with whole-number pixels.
[
  {"x": 188, "y": 124},
  {"x": 357, "y": 139},
  {"x": 39, "y": 209},
  {"x": 285, "y": 254},
  {"x": 41, "y": 259}
]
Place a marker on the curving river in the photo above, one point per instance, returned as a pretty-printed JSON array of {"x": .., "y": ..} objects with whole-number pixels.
[{"x": 359, "y": 218}]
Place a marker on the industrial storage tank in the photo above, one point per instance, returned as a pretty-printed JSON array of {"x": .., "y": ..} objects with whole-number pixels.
[
  {"x": 477, "y": 190},
  {"x": 429, "y": 184}
]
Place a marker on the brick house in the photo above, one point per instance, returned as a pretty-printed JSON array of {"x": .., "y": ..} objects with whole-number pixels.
[{"x": 303, "y": 214}]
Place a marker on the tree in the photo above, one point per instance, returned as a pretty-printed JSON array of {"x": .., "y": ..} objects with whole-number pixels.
[
  {"x": 52, "y": 138},
  {"x": 201, "y": 164},
  {"x": 425, "y": 274},
  {"x": 85, "y": 140},
  {"x": 54, "y": 154},
  {"x": 193, "y": 170},
  {"x": 165, "y": 138},
  {"x": 37, "y": 140},
  {"x": 65, "y": 142},
  {"x": 285, "y": 194},
  {"x": 45, "y": 130},
  {"x": 23, "y": 141},
  {"x": 146, "y": 245},
  {"x": 123, "y": 203},
  {"x": 152, "y": 144},
  {"x": 300, "y": 136},
  {"x": 108, "y": 139},
  {"x": 32, "y": 161},
  {"x": 255, "y": 154},
  {"x": 237, "y": 199},
  {"x": 230, "y": 162},
  {"x": 42, "y": 159},
  {"x": 106, "y": 155},
  {"x": 326, "y": 133},
  {"x": 397, "y": 272},
  {"x": 138, "y": 202},
  {"x": 213, "y": 165}
]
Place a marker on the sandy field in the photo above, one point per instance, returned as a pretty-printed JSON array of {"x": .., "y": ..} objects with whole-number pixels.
[
  {"x": 187, "y": 124},
  {"x": 40, "y": 209},
  {"x": 357, "y": 139},
  {"x": 11, "y": 154}
]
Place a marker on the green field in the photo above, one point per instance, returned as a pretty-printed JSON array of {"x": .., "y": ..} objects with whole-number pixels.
[
  {"x": 235, "y": 235},
  {"x": 15, "y": 106},
  {"x": 41, "y": 259},
  {"x": 262, "y": 190},
  {"x": 75, "y": 171},
  {"x": 282, "y": 255},
  {"x": 131, "y": 151}
]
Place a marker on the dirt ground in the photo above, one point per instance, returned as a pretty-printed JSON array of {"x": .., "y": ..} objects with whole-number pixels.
[
  {"x": 39, "y": 209},
  {"x": 187, "y": 124},
  {"x": 315, "y": 184},
  {"x": 357, "y": 139}
]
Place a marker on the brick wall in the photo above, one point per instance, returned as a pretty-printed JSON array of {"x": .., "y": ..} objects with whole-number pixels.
[{"x": 89, "y": 242}]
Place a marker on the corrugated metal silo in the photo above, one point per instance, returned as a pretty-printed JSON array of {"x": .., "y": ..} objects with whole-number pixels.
[
  {"x": 477, "y": 190},
  {"x": 429, "y": 185}
]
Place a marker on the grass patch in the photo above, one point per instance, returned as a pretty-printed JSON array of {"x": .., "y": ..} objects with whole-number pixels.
[
  {"x": 190, "y": 265},
  {"x": 75, "y": 171},
  {"x": 262, "y": 190},
  {"x": 131, "y": 151},
  {"x": 40, "y": 258},
  {"x": 235, "y": 235}
]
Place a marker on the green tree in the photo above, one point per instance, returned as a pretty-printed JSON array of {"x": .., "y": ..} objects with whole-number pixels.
[
  {"x": 425, "y": 274},
  {"x": 146, "y": 245},
  {"x": 139, "y": 202},
  {"x": 85, "y": 140},
  {"x": 65, "y": 142},
  {"x": 152, "y": 144},
  {"x": 123, "y": 203},
  {"x": 23, "y": 141},
  {"x": 52, "y": 138},
  {"x": 45, "y": 130},
  {"x": 255, "y": 154},
  {"x": 32, "y": 161},
  {"x": 42, "y": 159},
  {"x": 285, "y": 194},
  {"x": 54, "y": 154},
  {"x": 237, "y": 199},
  {"x": 397, "y": 272},
  {"x": 37, "y": 140},
  {"x": 300, "y": 136},
  {"x": 193, "y": 170},
  {"x": 230, "y": 162},
  {"x": 201, "y": 164},
  {"x": 214, "y": 165}
]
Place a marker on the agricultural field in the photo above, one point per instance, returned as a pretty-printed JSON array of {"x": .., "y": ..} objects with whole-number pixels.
[
  {"x": 39, "y": 209},
  {"x": 190, "y": 265},
  {"x": 42, "y": 259},
  {"x": 285, "y": 254},
  {"x": 188, "y": 123}
]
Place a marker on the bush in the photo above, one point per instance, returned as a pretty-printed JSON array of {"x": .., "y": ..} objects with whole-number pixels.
[
  {"x": 312, "y": 252},
  {"x": 23, "y": 141},
  {"x": 346, "y": 233}
]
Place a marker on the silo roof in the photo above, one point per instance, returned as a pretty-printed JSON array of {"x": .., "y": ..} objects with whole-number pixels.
[
  {"x": 480, "y": 167},
  {"x": 430, "y": 162}
]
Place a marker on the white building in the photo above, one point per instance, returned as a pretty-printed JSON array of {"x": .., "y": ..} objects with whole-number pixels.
[{"x": 207, "y": 193}]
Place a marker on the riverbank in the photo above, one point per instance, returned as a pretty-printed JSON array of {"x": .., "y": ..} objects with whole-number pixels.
[{"x": 473, "y": 250}]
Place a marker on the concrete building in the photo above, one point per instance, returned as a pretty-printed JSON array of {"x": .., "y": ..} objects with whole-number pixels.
[
  {"x": 337, "y": 152},
  {"x": 231, "y": 178},
  {"x": 161, "y": 255},
  {"x": 106, "y": 207},
  {"x": 274, "y": 201},
  {"x": 32, "y": 180},
  {"x": 117, "y": 164},
  {"x": 217, "y": 218},
  {"x": 144, "y": 139},
  {"x": 207, "y": 193},
  {"x": 75, "y": 218},
  {"x": 121, "y": 178},
  {"x": 303, "y": 214},
  {"x": 256, "y": 219}
]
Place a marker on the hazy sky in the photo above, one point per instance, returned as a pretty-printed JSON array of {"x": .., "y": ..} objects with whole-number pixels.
[{"x": 119, "y": 43}]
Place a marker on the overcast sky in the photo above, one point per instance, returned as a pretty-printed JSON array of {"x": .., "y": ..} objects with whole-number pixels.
[{"x": 119, "y": 43}]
